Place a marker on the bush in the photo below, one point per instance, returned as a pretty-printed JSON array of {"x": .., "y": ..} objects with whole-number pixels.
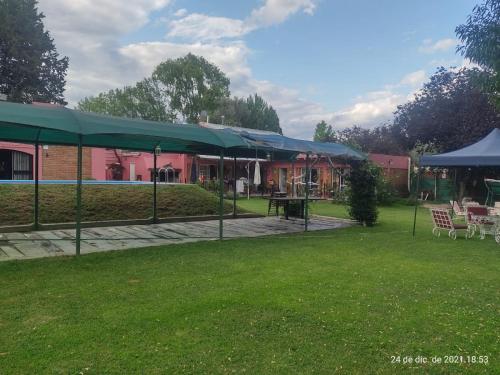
[
  {"x": 386, "y": 194},
  {"x": 362, "y": 193}
]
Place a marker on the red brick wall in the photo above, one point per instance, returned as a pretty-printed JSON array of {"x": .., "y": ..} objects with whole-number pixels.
[{"x": 59, "y": 163}]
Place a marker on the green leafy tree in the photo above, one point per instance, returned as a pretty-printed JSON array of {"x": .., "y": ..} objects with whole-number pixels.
[
  {"x": 480, "y": 37},
  {"x": 362, "y": 194},
  {"x": 144, "y": 100},
  {"x": 230, "y": 111},
  {"x": 261, "y": 115},
  {"x": 380, "y": 139},
  {"x": 30, "y": 67},
  {"x": 448, "y": 113},
  {"x": 192, "y": 85},
  {"x": 252, "y": 113},
  {"x": 324, "y": 132}
]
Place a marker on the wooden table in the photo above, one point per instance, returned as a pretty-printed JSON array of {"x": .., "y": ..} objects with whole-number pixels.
[{"x": 286, "y": 203}]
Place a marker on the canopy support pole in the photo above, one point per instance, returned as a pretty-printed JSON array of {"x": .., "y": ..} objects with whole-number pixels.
[
  {"x": 36, "y": 212},
  {"x": 455, "y": 198},
  {"x": 155, "y": 178},
  {"x": 416, "y": 202},
  {"x": 221, "y": 195},
  {"x": 79, "y": 195},
  {"x": 234, "y": 188},
  {"x": 306, "y": 203},
  {"x": 293, "y": 179}
]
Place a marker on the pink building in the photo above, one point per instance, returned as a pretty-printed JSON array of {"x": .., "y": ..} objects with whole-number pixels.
[{"x": 59, "y": 163}]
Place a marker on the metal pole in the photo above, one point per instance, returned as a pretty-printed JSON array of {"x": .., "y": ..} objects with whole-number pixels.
[
  {"x": 293, "y": 179},
  {"x": 248, "y": 180},
  {"x": 79, "y": 195},
  {"x": 155, "y": 178},
  {"x": 306, "y": 207},
  {"x": 36, "y": 212},
  {"x": 234, "y": 188},
  {"x": 221, "y": 195},
  {"x": 416, "y": 202}
]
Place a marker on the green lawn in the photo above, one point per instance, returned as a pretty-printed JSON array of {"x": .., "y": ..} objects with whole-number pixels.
[
  {"x": 329, "y": 302},
  {"x": 104, "y": 202}
]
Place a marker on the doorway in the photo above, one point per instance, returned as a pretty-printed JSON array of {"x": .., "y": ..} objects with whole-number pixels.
[{"x": 282, "y": 179}]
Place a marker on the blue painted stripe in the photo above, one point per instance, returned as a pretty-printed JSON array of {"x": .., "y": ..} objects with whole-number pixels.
[{"x": 73, "y": 182}]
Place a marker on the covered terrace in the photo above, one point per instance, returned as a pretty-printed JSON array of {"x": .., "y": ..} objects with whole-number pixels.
[{"x": 57, "y": 125}]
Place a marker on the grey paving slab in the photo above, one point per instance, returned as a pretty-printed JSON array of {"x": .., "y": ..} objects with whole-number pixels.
[{"x": 41, "y": 244}]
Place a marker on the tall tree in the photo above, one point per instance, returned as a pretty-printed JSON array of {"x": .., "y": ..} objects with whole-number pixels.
[
  {"x": 480, "y": 36},
  {"x": 144, "y": 100},
  {"x": 192, "y": 85},
  {"x": 324, "y": 132},
  {"x": 380, "y": 139},
  {"x": 253, "y": 113},
  {"x": 30, "y": 67},
  {"x": 261, "y": 115},
  {"x": 448, "y": 113},
  {"x": 230, "y": 111}
]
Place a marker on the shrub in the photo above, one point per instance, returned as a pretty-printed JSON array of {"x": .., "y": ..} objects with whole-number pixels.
[
  {"x": 362, "y": 193},
  {"x": 386, "y": 194}
]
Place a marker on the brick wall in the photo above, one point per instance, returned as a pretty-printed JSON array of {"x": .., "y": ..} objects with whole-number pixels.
[{"x": 59, "y": 163}]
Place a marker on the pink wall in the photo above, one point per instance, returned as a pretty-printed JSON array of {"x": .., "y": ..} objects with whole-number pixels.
[{"x": 143, "y": 161}]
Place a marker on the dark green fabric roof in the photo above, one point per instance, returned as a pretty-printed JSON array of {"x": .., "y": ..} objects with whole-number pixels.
[
  {"x": 49, "y": 124},
  {"x": 60, "y": 125}
]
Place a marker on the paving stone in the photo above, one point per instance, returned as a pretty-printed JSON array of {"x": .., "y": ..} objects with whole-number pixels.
[{"x": 62, "y": 242}]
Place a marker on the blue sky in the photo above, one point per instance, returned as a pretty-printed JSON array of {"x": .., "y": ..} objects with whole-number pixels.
[{"x": 348, "y": 62}]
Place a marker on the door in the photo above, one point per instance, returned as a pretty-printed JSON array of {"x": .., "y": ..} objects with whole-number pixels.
[
  {"x": 282, "y": 179},
  {"x": 132, "y": 171},
  {"x": 5, "y": 165}
]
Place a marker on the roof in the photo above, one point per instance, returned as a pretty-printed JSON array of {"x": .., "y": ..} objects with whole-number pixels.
[
  {"x": 235, "y": 128},
  {"x": 390, "y": 161},
  {"x": 59, "y": 125},
  {"x": 485, "y": 152},
  {"x": 280, "y": 142},
  {"x": 49, "y": 124}
]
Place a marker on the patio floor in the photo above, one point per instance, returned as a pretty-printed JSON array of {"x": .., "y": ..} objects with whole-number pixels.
[{"x": 41, "y": 244}]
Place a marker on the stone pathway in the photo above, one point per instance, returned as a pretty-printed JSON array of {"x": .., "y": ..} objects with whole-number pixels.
[{"x": 61, "y": 242}]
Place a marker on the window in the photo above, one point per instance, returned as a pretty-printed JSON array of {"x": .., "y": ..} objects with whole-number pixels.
[
  {"x": 314, "y": 175},
  {"x": 204, "y": 172}
]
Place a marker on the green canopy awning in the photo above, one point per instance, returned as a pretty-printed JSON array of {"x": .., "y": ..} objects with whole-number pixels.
[
  {"x": 48, "y": 124},
  {"x": 51, "y": 124}
]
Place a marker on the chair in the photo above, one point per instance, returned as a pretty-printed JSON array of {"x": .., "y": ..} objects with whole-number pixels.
[
  {"x": 275, "y": 203},
  {"x": 442, "y": 221},
  {"x": 457, "y": 209},
  {"x": 477, "y": 218}
]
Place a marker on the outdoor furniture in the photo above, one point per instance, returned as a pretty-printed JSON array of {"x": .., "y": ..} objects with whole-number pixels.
[
  {"x": 457, "y": 209},
  {"x": 284, "y": 201},
  {"x": 474, "y": 219},
  {"x": 275, "y": 203},
  {"x": 442, "y": 221},
  {"x": 488, "y": 224},
  {"x": 493, "y": 188}
]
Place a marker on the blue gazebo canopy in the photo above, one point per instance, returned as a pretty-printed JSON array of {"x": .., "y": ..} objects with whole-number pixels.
[{"x": 485, "y": 152}]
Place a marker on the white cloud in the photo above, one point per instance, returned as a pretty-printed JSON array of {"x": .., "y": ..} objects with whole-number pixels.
[
  {"x": 89, "y": 32},
  {"x": 428, "y": 46},
  {"x": 277, "y": 11},
  {"x": 204, "y": 27},
  {"x": 416, "y": 78},
  {"x": 180, "y": 12}
]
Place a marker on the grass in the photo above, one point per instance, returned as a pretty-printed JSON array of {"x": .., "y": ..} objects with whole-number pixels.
[
  {"x": 341, "y": 301},
  {"x": 104, "y": 202}
]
